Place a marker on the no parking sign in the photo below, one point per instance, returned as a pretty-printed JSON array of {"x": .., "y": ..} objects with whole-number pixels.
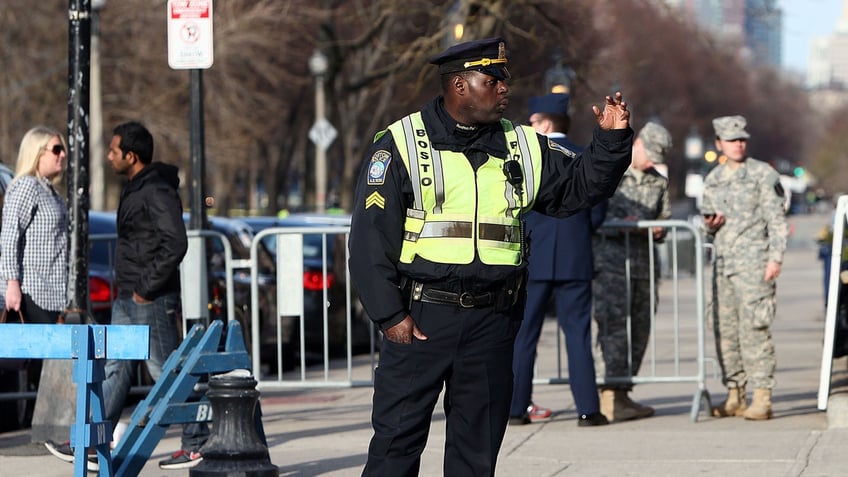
[{"x": 189, "y": 34}]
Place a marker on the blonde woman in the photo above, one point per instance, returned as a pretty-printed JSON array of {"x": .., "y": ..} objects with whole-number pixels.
[
  {"x": 33, "y": 262},
  {"x": 33, "y": 240}
]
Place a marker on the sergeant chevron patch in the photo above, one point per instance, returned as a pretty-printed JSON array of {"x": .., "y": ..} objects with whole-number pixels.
[{"x": 375, "y": 199}]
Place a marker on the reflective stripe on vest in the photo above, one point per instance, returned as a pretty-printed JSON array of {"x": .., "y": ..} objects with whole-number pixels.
[{"x": 451, "y": 220}]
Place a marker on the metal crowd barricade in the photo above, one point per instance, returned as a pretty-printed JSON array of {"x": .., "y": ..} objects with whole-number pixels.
[
  {"x": 230, "y": 265},
  {"x": 676, "y": 350},
  {"x": 321, "y": 370}
]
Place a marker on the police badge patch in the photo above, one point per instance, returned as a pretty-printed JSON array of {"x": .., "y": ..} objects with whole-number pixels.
[
  {"x": 377, "y": 169},
  {"x": 559, "y": 147}
]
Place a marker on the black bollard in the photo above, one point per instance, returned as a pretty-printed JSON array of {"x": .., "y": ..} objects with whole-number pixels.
[{"x": 234, "y": 448}]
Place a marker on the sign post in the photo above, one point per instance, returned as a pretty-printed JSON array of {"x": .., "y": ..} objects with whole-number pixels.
[
  {"x": 190, "y": 48},
  {"x": 190, "y": 34}
]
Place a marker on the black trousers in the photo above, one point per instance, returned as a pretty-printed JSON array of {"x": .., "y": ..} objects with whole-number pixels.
[
  {"x": 33, "y": 314},
  {"x": 469, "y": 354}
]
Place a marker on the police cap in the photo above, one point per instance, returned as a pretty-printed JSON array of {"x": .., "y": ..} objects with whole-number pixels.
[
  {"x": 486, "y": 56},
  {"x": 554, "y": 103}
]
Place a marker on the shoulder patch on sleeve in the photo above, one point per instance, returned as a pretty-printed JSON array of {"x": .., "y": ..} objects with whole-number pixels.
[
  {"x": 778, "y": 189},
  {"x": 378, "y": 166},
  {"x": 559, "y": 147}
]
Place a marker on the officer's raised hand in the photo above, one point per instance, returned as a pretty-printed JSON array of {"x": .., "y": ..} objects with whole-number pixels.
[
  {"x": 615, "y": 114},
  {"x": 403, "y": 332}
]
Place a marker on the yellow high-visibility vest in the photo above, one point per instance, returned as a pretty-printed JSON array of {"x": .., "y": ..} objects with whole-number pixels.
[{"x": 458, "y": 211}]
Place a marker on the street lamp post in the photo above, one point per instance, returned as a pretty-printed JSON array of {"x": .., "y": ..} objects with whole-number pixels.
[
  {"x": 455, "y": 24},
  {"x": 318, "y": 65},
  {"x": 694, "y": 147},
  {"x": 694, "y": 152},
  {"x": 558, "y": 78},
  {"x": 97, "y": 183}
]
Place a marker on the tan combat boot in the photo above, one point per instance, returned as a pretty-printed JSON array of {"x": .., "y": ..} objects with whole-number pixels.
[
  {"x": 641, "y": 409},
  {"x": 760, "y": 409},
  {"x": 608, "y": 403},
  {"x": 734, "y": 405},
  {"x": 616, "y": 406}
]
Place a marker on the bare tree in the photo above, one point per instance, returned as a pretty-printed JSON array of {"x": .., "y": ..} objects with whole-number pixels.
[
  {"x": 33, "y": 81},
  {"x": 829, "y": 153},
  {"x": 258, "y": 93}
]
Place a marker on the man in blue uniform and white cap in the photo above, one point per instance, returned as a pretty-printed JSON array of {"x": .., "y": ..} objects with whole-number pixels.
[
  {"x": 438, "y": 258},
  {"x": 560, "y": 266}
]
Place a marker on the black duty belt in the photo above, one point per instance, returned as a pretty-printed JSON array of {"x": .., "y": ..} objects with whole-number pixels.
[{"x": 423, "y": 293}]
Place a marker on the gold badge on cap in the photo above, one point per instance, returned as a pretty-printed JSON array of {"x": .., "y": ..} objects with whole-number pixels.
[{"x": 484, "y": 62}]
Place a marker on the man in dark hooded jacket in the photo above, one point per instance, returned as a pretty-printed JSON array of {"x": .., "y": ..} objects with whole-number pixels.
[{"x": 151, "y": 244}]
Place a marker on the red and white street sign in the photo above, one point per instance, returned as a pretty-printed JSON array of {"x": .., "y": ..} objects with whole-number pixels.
[{"x": 190, "y": 34}]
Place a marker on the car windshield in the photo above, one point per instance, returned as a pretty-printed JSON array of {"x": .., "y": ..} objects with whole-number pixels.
[{"x": 312, "y": 245}]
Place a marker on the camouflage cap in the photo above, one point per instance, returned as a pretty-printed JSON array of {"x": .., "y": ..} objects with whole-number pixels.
[
  {"x": 657, "y": 141},
  {"x": 728, "y": 128}
]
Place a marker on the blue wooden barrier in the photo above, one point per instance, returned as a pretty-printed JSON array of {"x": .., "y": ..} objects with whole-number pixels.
[
  {"x": 89, "y": 346},
  {"x": 199, "y": 354}
]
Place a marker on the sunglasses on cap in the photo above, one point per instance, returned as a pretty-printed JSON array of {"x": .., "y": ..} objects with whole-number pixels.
[{"x": 56, "y": 149}]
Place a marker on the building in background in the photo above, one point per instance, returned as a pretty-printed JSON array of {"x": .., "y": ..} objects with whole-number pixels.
[
  {"x": 829, "y": 57},
  {"x": 763, "y": 31},
  {"x": 755, "y": 26}
]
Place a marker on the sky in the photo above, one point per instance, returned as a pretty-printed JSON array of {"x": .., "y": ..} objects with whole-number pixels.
[{"x": 804, "y": 20}]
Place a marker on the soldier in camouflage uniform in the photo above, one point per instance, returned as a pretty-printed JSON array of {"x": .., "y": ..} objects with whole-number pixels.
[
  {"x": 743, "y": 207},
  {"x": 641, "y": 195}
]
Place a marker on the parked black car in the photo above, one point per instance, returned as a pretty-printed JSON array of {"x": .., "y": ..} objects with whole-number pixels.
[
  {"x": 102, "y": 237},
  {"x": 314, "y": 285}
]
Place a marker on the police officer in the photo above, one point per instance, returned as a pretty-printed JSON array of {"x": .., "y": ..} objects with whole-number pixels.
[
  {"x": 745, "y": 218},
  {"x": 560, "y": 265},
  {"x": 437, "y": 255},
  {"x": 623, "y": 291}
]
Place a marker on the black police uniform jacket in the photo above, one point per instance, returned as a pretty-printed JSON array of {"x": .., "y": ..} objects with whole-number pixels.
[
  {"x": 151, "y": 234},
  {"x": 376, "y": 237}
]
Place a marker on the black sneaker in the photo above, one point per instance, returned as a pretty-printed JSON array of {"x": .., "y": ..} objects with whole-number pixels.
[
  {"x": 592, "y": 419},
  {"x": 521, "y": 420},
  {"x": 181, "y": 459},
  {"x": 65, "y": 452}
]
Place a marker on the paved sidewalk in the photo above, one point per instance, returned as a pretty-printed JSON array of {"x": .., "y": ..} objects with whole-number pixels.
[{"x": 326, "y": 432}]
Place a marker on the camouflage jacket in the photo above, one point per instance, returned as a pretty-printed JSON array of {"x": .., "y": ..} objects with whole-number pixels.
[
  {"x": 640, "y": 196},
  {"x": 751, "y": 199}
]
